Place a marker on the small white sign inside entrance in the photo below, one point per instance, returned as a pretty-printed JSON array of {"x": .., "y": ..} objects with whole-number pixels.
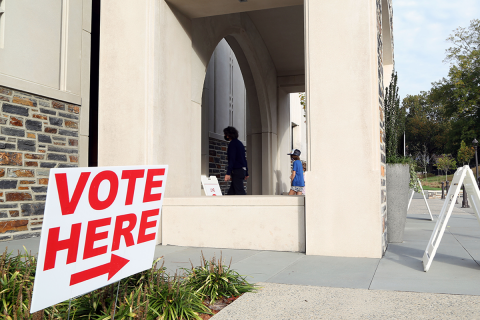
[
  {"x": 100, "y": 225},
  {"x": 463, "y": 176},
  {"x": 211, "y": 187}
]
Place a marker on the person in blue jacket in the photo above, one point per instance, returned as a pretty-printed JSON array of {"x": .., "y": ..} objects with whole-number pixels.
[
  {"x": 297, "y": 174},
  {"x": 237, "y": 169}
]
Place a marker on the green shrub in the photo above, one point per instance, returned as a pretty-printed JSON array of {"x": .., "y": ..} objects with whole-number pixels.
[
  {"x": 214, "y": 280},
  {"x": 173, "y": 299},
  {"x": 148, "y": 295},
  {"x": 16, "y": 284}
]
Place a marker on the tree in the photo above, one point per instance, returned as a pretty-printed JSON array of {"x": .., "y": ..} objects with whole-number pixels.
[
  {"x": 426, "y": 125},
  {"x": 303, "y": 102},
  {"x": 465, "y": 42},
  {"x": 394, "y": 120},
  {"x": 445, "y": 163},
  {"x": 424, "y": 159},
  {"x": 459, "y": 93},
  {"x": 465, "y": 154}
]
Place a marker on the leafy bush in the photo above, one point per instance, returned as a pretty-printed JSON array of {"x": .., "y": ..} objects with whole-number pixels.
[
  {"x": 148, "y": 295},
  {"x": 395, "y": 117},
  {"x": 214, "y": 280},
  {"x": 173, "y": 300},
  {"x": 16, "y": 284}
]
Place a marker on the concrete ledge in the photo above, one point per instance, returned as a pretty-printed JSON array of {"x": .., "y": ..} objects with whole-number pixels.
[
  {"x": 236, "y": 200},
  {"x": 236, "y": 222}
]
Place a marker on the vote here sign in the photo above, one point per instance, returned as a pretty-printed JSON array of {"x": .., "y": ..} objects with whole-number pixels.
[{"x": 100, "y": 225}]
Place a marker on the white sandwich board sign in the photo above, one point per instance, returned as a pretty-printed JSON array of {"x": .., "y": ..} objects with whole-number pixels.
[
  {"x": 100, "y": 225},
  {"x": 211, "y": 186},
  {"x": 463, "y": 176},
  {"x": 424, "y": 198}
]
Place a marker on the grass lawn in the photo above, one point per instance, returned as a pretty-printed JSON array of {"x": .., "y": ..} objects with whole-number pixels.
[
  {"x": 439, "y": 178},
  {"x": 430, "y": 188},
  {"x": 434, "y": 183}
]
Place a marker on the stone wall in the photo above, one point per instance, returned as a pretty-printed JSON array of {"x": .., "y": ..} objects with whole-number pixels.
[
  {"x": 383, "y": 201},
  {"x": 217, "y": 162},
  {"x": 390, "y": 12},
  {"x": 36, "y": 134}
]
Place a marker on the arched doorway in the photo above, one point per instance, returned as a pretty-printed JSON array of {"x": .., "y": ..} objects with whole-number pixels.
[
  {"x": 259, "y": 77},
  {"x": 230, "y": 99}
]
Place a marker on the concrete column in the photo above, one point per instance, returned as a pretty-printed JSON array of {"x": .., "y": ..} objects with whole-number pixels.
[
  {"x": 387, "y": 74},
  {"x": 205, "y": 125},
  {"x": 148, "y": 113},
  {"x": 123, "y": 85},
  {"x": 343, "y": 186},
  {"x": 283, "y": 171},
  {"x": 269, "y": 155},
  {"x": 254, "y": 145}
]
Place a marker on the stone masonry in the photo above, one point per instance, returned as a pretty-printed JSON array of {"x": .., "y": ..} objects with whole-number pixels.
[
  {"x": 36, "y": 134},
  {"x": 218, "y": 162},
  {"x": 383, "y": 200}
]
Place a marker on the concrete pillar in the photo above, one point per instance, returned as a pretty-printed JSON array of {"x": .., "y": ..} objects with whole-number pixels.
[
  {"x": 123, "y": 84},
  {"x": 254, "y": 159},
  {"x": 344, "y": 179},
  {"x": 387, "y": 74},
  {"x": 269, "y": 156},
  {"x": 205, "y": 145},
  {"x": 284, "y": 144},
  {"x": 148, "y": 113}
]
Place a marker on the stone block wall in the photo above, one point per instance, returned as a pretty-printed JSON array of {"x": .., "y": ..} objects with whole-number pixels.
[
  {"x": 218, "y": 162},
  {"x": 36, "y": 134},
  {"x": 390, "y": 11},
  {"x": 383, "y": 201}
]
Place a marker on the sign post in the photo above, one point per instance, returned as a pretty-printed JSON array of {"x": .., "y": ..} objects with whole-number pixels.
[
  {"x": 424, "y": 198},
  {"x": 100, "y": 226},
  {"x": 463, "y": 176}
]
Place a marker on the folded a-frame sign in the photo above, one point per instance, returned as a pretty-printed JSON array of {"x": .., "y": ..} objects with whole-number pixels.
[
  {"x": 463, "y": 176},
  {"x": 418, "y": 183}
]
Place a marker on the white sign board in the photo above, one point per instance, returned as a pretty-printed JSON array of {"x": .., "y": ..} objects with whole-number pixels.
[
  {"x": 424, "y": 198},
  {"x": 463, "y": 176},
  {"x": 211, "y": 187},
  {"x": 100, "y": 225}
]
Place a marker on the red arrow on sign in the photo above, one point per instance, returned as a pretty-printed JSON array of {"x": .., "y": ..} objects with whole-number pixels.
[{"x": 116, "y": 263}]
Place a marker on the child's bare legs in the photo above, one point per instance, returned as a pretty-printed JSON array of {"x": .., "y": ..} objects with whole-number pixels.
[{"x": 295, "y": 193}]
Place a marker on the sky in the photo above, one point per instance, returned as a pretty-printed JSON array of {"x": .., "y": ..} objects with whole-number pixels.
[{"x": 420, "y": 30}]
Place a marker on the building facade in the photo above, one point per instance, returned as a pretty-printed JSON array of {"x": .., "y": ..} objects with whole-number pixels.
[
  {"x": 44, "y": 104},
  {"x": 153, "y": 86}
]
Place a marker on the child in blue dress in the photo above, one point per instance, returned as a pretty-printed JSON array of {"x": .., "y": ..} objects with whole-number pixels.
[{"x": 297, "y": 174}]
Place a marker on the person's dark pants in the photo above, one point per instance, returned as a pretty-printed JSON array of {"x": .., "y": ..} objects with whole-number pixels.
[{"x": 236, "y": 187}]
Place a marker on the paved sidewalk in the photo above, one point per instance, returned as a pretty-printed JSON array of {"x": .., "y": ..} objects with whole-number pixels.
[
  {"x": 281, "y": 301},
  {"x": 455, "y": 270}
]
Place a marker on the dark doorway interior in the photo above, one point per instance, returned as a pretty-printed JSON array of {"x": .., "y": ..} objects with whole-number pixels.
[{"x": 94, "y": 69}]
